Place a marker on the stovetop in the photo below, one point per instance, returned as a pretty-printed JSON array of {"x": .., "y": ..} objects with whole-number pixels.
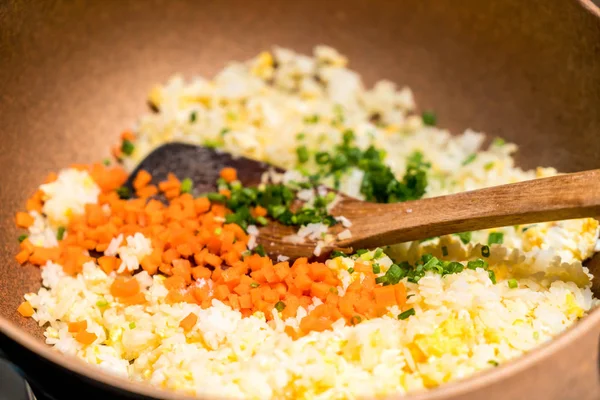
[{"x": 13, "y": 386}]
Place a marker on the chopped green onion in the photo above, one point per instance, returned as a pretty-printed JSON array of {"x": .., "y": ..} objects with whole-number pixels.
[
  {"x": 381, "y": 279},
  {"x": 409, "y": 296},
  {"x": 464, "y": 237},
  {"x": 313, "y": 119},
  {"x": 337, "y": 253},
  {"x": 527, "y": 228},
  {"x": 376, "y": 268},
  {"x": 218, "y": 231},
  {"x": 260, "y": 250},
  {"x": 492, "y": 276},
  {"x": 499, "y": 142},
  {"x": 378, "y": 253},
  {"x": 469, "y": 159},
  {"x": 488, "y": 166},
  {"x": 300, "y": 136},
  {"x": 493, "y": 362},
  {"x": 513, "y": 284},
  {"x": 322, "y": 158},
  {"x": 445, "y": 251},
  {"x": 356, "y": 319},
  {"x": 279, "y": 306},
  {"x": 302, "y": 154},
  {"x": 350, "y": 270},
  {"x": 132, "y": 325},
  {"x": 495, "y": 238},
  {"x": 224, "y": 131},
  {"x": 262, "y": 220},
  {"x": 186, "y": 185},
  {"x": 333, "y": 290},
  {"x": 60, "y": 233},
  {"x": 127, "y": 147},
  {"x": 429, "y": 118},
  {"x": 254, "y": 285},
  {"x": 106, "y": 162},
  {"x": 406, "y": 314},
  {"x": 22, "y": 237},
  {"x": 360, "y": 252},
  {"x": 193, "y": 116},
  {"x": 217, "y": 197},
  {"x": 123, "y": 192},
  {"x": 485, "y": 251},
  {"x": 102, "y": 303},
  {"x": 536, "y": 335},
  {"x": 476, "y": 264}
]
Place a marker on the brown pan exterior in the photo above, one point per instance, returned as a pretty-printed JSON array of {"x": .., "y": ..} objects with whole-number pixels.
[{"x": 73, "y": 74}]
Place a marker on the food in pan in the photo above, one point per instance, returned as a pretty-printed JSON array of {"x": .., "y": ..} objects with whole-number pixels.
[{"x": 178, "y": 294}]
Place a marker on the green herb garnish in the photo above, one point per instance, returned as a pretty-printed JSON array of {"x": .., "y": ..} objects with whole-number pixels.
[
  {"x": 485, "y": 251},
  {"x": 127, "y": 147},
  {"x": 469, "y": 159},
  {"x": 216, "y": 197},
  {"x": 513, "y": 284},
  {"x": 313, "y": 119},
  {"x": 60, "y": 233},
  {"x": 493, "y": 362},
  {"x": 350, "y": 270},
  {"x": 356, "y": 319},
  {"x": 132, "y": 325},
  {"x": 102, "y": 303},
  {"x": 260, "y": 250},
  {"x": 488, "y": 166},
  {"x": 302, "y": 154},
  {"x": 186, "y": 185},
  {"x": 254, "y": 285},
  {"x": 22, "y": 238},
  {"x": 444, "y": 251},
  {"x": 378, "y": 253},
  {"x": 193, "y": 116},
  {"x": 106, "y": 162},
  {"x": 429, "y": 118},
  {"x": 499, "y": 142},
  {"x": 464, "y": 237},
  {"x": 376, "y": 268},
  {"x": 123, "y": 192},
  {"x": 279, "y": 306},
  {"x": 404, "y": 315},
  {"x": 495, "y": 238}
]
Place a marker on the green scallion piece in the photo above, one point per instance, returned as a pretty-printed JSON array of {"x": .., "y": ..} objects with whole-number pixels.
[
  {"x": 350, "y": 270},
  {"x": 279, "y": 306},
  {"x": 429, "y": 118},
  {"x": 492, "y": 276},
  {"x": 485, "y": 251},
  {"x": 60, "y": 233},
  {"x": 513, "y": 284},
  {"x": 406, "y": 314},
  {"x": 464, "y": 237},
  {"x": 262, "y": 220},
  {"x": 333, "y": 290},
  {"x": 22, "y": 237},
  {"x": 132, "y": 325},
  {"x": 495, "y": 238},
  {"x": 302, "y": 154},
  {"x": 337, "y": 253},
  {"x": 193, "y": 116},
  {"x": 381, "y": 280},
  {"x": 488, "y": 166},
  {"x": 493, "y": 362},
  {"x": 445, "y": 251},
  {"x": 356, "y": 319},
  {"x": 469, "y": 159},
  {"x": 322, "y": 158},
  {"x": 376, "y": 268},
  {"x": 127, "y": 147},
  {"x": 106, "y": 161},
  {"x": 186, "y": 185},
  {"x": 123, "y": 192},
  {"x": 360, "y": 252},
  {"x": 378, "y": 253},
  {"x": 254, "y": 285},
  {"x": 217, "y": 197},
  {"x": 499, "y": 142},
  {"x": 260, "y": 250},
  {"x": 102, "y": 303},
  {"x": 313, "y": 119},
  {"x": 300, "y": 136}
]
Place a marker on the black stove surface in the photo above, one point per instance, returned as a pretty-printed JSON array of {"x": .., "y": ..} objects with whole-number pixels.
[{"x": 13, "y": 386}]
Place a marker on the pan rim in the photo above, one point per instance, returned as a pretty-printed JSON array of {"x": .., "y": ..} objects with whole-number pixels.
[{"x": 478, "y": 380}]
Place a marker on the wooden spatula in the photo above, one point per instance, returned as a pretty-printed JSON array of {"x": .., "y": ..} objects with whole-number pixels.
[{"x": 568, "y": 196}]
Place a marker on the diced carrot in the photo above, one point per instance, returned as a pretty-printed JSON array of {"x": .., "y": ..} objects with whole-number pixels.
[
  {"x": 27, "y": 245},
  {"x": 320, "y": 290},
  {"x": 282, "y": 270},
  {"x": 25, "y": 309},
  {"x": 384, "y": 296},
  {"x": 85, "y": 337},
  {"x": 234, "y": 301},
  {"x": 108, "y": 263},
  {"x": 174, "y": 282},
  {"x": 221, "y": 292},
  {"x": 229, "y": 174},
  {"x": 318, "y": 271},
  {"x": 269, "y": 273},
  {"x": 142, "y": 178},
  {"x": 189, "y": 322},
  {"x": 24, "y": 220},
  {"x": 213, "y": 260},
  {"x": 400, "y": 292},
  {"x": 259, "y": 211},
  {"x": 124, "y": 287},
  {"x": 201, "y": 273},
  {"x": 245, "y": 301},
  {"x": 170, "y": 255},
  {"x": 22, "y": 257},
  {"x": 201, "y": 205},
  {"x": 147, "y": 191},
  {"x": 42, "y": 255},
  {"x": 77, "y": 326},
  {"x": 303, "y": 282}
]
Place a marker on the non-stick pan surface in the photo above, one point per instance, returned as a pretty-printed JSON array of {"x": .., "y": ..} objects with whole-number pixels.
[{"x": 74, "y": 74}]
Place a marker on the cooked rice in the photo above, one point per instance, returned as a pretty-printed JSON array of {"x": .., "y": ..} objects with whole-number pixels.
[{"x": 463, "y": 323}]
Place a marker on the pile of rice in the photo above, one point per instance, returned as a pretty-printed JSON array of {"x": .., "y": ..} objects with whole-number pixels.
[{"x": 463, "y": 323}]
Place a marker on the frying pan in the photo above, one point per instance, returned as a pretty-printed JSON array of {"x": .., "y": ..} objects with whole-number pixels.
[{"x": 74, "y": 74}]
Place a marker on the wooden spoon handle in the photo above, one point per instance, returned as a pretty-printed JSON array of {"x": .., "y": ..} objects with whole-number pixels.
[{"x": 568, "y": 196}]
